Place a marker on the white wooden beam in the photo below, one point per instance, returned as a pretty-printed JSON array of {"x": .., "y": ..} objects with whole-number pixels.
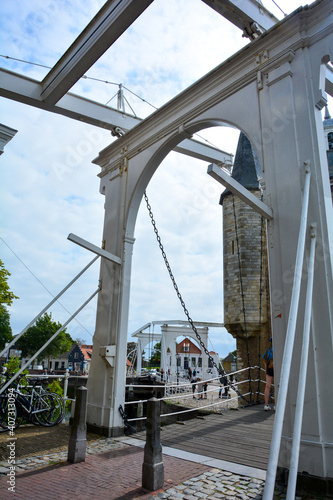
[
  {"x": 236, "y": 188},
  {"x": 205, "y": 152},
  {"x": 26, "y": 90},
  {"x": 93, "y": 248},
  {"x": 248, "y": 15},
  {"x": 102, "y": 31}
]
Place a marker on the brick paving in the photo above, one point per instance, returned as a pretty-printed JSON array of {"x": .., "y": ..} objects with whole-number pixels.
[{"x": 115, "y": 474}]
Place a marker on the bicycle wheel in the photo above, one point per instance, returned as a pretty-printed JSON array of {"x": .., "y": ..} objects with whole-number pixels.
[
  {"x": 10, "y": 414},
  {"x": 59, "y": 410},
  {"x": 48, "y": 409},
  {"x": 3, "y": 413}
]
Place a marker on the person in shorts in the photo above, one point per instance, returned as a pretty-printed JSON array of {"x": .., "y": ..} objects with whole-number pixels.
[{"x": 268, "y": 357}]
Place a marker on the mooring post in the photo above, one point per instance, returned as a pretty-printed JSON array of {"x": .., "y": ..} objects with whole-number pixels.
[
  {"x": 152, "y": 467},
  {"x": 78, "y": 438}
]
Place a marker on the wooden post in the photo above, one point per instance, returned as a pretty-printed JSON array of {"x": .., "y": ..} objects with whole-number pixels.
[
  {"x": 78, "y": 438},
  {"x": 152, "y": 467}
]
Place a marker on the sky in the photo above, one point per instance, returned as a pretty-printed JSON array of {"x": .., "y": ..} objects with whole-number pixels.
[{"x": 49, "y": 185}]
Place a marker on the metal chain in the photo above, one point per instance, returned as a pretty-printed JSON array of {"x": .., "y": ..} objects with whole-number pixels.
[
  {"x": 129, "y": 428},
  {"x": 220, "y": 369},
  {"x": 242, "y": 295}
]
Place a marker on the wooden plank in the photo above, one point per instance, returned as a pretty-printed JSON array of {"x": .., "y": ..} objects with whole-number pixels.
[{"x": 241, "y": 437}]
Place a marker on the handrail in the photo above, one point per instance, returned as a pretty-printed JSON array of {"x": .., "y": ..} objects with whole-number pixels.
[
  {"x": 189, "y": 410},
  {"x": 288, "y": 347},
  {"x": 7, "y": 384},
  {"x": 48, "y": 306}
]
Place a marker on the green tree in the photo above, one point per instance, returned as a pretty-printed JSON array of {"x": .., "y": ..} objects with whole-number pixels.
[
  {"x": 39, "y": 333},
  {"x": 155, "y": 359},
  {"x": 6, "y": 334},
  {"x": 6, "y": 296},
  {"x": 6, "y": 299}
]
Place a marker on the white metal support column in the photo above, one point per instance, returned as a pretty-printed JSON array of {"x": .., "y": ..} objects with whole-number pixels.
[
  {"x": 288, "y": 347},
  {"x": 294, "y": 458}
]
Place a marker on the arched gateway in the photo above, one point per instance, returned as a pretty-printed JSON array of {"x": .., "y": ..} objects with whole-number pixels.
[{"x": 280, "y": 80}]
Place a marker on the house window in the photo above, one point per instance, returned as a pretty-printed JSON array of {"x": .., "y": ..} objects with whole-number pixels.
[
  {"x": 193, "y": 363},
  {"x": 330, "y": 140},
  {"x": 186, "y": 363},
  {"x": 62, "y": 364},
  {"x": 178, "y": 361},
  {"x": 186, "y": 348},
  {"x": 199, "y": 362},
  {"x": 56, "y": 364},
  {"x": 77, "y": 367},
  {"x": 76, "y": 355},
  {"x": 210, "y": 363}
]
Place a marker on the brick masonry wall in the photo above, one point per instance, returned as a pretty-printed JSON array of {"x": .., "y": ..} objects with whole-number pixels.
[{"x": 251, "y": 334}]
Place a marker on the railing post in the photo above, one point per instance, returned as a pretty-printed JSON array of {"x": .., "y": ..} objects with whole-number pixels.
[
  {"x": 152, "y": 467},
  {"x": 78, "y": 438},
  {"x": 66, "y": 377}
]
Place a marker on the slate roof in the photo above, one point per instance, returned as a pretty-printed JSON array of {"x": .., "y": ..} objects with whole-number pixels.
[
  {"x": 246, "y": 169},
  {"x": 231, "y": 358}
]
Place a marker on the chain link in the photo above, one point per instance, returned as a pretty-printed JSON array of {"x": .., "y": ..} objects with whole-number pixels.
[
  {"x": 220, "y": 369},
  {"x": 242, "y": 296},
  {"x": 129, "y": 428}
]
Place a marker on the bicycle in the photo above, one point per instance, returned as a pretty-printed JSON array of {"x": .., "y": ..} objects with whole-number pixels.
[{"x": 30, "y": 403}]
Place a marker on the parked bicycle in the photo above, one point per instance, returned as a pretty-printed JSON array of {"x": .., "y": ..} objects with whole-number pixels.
[{"x": 29, "y": 402}]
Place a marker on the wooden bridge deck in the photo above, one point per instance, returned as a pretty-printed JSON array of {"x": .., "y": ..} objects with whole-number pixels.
[{"x": 241, "y": 436}]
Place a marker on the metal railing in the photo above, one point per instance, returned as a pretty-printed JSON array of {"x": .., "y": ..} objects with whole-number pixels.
[{"x": 183, "y": 391}]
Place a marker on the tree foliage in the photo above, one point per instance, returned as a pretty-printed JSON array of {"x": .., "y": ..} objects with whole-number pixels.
[
  {"x": 6, "y": 334},
  {"x": 6, "y": 296},
  {"x": 13, "y": 365},
  {"x": 36, "y": 336},
  {"x": 155, "y": 359}
]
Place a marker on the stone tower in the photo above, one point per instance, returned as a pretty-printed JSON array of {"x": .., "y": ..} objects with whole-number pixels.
[{"x": 246, "y": 287}]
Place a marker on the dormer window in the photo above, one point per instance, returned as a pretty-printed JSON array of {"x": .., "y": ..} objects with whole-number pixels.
[{"x": 186, "y": 348}]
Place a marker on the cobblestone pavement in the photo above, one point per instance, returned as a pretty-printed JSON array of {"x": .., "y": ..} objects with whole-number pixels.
[{"x": 103, "y": 474}]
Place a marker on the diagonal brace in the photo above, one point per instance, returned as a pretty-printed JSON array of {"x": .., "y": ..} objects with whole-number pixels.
[
  {"x": 93, "y": 248},
  {"x": 236, "y": 188}
]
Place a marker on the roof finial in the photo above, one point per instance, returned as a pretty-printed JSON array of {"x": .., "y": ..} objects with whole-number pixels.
[{"x": 327, "y": 113}]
